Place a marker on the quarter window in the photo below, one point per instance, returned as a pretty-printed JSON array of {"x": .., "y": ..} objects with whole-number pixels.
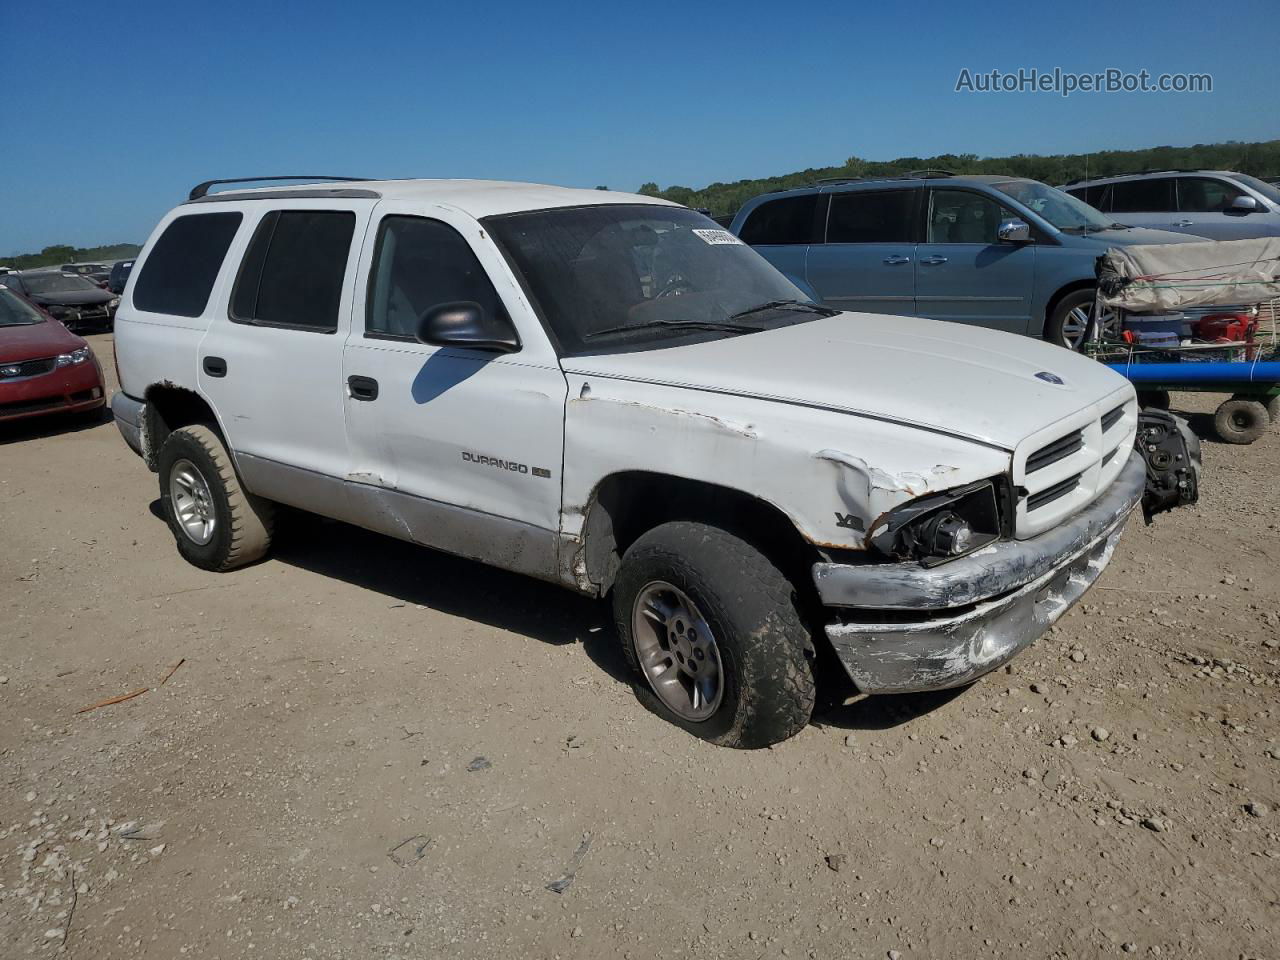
[
  {"x": 1204, "y": 195},
  {"x": 871, "y": 216},
  {"x": 1142, "y": 196},
  {"x": 787, "y": 220},
  {"x": 180, "y": 270},
  {"x": 958, "y": 216},
  {"x": 418, "y": 264},
  {"x": 293, "y": 271}
]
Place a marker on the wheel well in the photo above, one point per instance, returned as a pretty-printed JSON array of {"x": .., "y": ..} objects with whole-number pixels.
[
  {"x": 169, "y": 408},
  {"x": 1058, "y": 296},
  {"x": 627, "y": 505}
]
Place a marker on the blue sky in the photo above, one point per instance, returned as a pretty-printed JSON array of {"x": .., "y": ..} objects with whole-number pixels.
[{"x": 115, "y": 110}]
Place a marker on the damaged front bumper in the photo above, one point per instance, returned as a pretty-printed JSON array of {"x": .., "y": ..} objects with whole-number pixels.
[{"x": 905, "y": 628}]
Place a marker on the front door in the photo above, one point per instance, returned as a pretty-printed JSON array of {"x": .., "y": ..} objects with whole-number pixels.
[
  {"x": 868, "y": 260},
  {"x": 963, "y": 273},
  {"x": 453, "y": 447}
]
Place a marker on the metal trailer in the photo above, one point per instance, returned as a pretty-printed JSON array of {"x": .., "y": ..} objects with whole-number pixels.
[{"x": 1183, "y": 287}]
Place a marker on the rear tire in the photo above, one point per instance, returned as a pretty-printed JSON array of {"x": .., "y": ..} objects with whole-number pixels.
[
  {"x": 1273, "y": 409},
  {"x": 759, "y": 643},
  {"x": 216, "y": 523},
  {"x": 1068, "y": 325},
  {"x": 1241, "y": 421}
]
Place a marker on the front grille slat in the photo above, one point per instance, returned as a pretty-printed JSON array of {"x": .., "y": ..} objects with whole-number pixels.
[
  {"x": 1060, "y": 449},
  {"x": 1111, "y": 418},
  {"x": 1050, "y": 494}
]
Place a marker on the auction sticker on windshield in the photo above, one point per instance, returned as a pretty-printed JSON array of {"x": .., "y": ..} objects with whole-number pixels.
[{"x": 716, "y": 237}]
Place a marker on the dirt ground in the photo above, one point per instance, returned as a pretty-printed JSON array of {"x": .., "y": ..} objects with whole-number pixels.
[{"x": 372, "y": 750}]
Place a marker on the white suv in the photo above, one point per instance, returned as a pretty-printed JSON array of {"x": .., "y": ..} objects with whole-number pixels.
[{"x": 612, "y": 393}]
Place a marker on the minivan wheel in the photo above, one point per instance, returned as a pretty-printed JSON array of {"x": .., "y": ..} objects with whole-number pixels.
[
  {"x": 217, "y": 524},
  {"x": 1069, "y": 324},
  {"x": 711, "y": 627}
]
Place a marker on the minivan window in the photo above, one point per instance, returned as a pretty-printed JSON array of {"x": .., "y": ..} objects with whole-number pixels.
[
  {"x": 1268, "y": 190},
  {"x": 1205, "y": 195},
  {"x": 418, "y": 264},
  {"x": 293, "y": 271},
  {"x": 871, "y": 216},
  {"x": 1141, "y": 196},
  {"x": 1061, "y": 209},
  {"x": 1093, "y": 195},
  {"x": 787, "y": 220},
  {"x": 179, "y": 272},
  {"x": 960, "y": 216}
]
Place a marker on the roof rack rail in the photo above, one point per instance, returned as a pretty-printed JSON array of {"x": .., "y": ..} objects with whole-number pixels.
[
  {"x": 202, "y": 189},
  {"x": 1139, "y": 173},
  {"x": 929, "y": 173}
]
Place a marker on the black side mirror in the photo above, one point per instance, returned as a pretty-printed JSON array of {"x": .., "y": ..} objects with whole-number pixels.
[{"x": 465, "y": 323}]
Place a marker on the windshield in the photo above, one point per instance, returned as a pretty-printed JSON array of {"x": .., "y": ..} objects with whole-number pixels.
[
  {"x": 1268, "y": 190},
  {"x": 52, "y": 283},
  {"x": 16, "y": 312},
  {"x": 635, "y": 276},
  {"x": 1061, "y": 209}
]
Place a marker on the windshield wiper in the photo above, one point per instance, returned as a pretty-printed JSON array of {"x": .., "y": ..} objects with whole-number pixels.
[
  {"x": 690, "y": 324},
  {"x": 784, "y": 305}
]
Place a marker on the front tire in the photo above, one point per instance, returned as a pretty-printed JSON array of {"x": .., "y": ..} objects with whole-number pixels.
[
  {"x": 713, "y": 628},
  {"x": 216, "y": 523}
]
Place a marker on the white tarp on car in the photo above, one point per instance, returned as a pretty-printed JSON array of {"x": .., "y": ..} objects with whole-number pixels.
[{"x": 1163, "y": 277}]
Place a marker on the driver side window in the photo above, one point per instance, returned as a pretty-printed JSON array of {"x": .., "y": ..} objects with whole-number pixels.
[
  {"x": 419, "y": 263},
  {"x": 958, "y": 216}
]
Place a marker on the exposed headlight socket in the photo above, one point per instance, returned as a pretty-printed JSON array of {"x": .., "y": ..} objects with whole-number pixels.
[{"x": 942, "y": 526}]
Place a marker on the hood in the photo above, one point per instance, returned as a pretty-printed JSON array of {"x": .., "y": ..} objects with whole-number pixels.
[
  {"x": 1124, "y": 238},
  {"x": 77, "y": 298},
  {"x": 963, "y": 381},
  {"x": 36, "y": 341}
]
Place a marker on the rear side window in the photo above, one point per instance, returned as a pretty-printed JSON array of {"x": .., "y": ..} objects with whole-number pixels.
[
  {"x": 293, "y": 270},
  {"x": 782, "y": 221},
  {"x": 419, "y": 264},
  {"x": 1142, "y": 196},
  {"x": 871, "y": 216},
  {"x": 178, "y": 275}
]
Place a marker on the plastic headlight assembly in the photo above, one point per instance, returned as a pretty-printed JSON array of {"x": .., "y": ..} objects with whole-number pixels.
[
  {"x": 74, "y": 357},
  {"x": 942, "y": 526}
]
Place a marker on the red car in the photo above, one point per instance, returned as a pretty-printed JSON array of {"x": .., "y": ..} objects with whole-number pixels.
[{"x": 44, "y": 367}]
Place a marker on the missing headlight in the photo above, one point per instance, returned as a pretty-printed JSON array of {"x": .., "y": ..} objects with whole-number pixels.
[{"x": 942, "y": 526}]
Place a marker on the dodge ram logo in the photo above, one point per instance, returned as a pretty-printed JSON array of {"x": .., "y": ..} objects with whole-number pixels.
[{"x": 1048, "y": 377}]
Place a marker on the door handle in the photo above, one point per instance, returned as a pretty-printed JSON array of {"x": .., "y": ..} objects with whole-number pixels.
[
  {"x": 934, "y": 261},
  {"x": 1184, "y": 223},
  {"x": 362, "y": 388},
  {"x": 215, "y": 366},
  {"x": 896, "y": 260}
]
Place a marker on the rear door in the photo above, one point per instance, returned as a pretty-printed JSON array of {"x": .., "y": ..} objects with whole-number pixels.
[
  {"x": 963, "y": 273},
  {"x": 868, "y": 259},
  {"x": 271, "y": 362},
  {"x": 1150, "y": 202}
]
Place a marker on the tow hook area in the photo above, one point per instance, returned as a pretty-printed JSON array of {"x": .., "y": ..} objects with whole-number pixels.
[{"x": 1172, "y": 455}]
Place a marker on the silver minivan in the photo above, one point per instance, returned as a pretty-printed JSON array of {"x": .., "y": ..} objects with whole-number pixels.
[{"x": 1217, "y": 204}]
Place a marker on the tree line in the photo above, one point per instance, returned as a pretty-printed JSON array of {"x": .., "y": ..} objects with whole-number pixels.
[
  {"x": 60, "y": 253},
  {"x": 1260, "y": 159}
]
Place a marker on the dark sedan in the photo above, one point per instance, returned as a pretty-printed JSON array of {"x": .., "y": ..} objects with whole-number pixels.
[{"x": 79, "y": 303}]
